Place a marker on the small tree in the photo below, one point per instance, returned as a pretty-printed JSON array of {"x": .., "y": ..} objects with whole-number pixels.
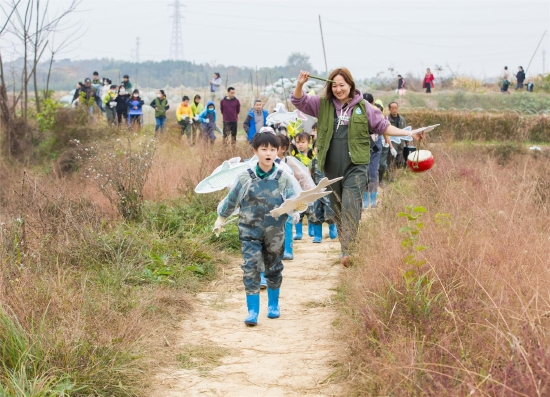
[{"x": 120, "y": 169}]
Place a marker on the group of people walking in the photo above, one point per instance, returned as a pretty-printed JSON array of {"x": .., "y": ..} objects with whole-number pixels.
[
  {"x": 342, "y": 146},
  {"x": 506, "y": 78}
]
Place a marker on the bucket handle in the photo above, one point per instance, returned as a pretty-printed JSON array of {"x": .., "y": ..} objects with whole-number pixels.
[{"x": 416, "y": 154}]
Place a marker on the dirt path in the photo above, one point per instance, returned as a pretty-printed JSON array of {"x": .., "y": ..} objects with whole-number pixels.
[{"x": 288, "y": 356}]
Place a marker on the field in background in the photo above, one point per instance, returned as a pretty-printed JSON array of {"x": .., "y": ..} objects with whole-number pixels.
[{"x": 449, "y": 292}]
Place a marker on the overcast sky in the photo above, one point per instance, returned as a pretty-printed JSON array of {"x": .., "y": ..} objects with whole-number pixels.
[{"x": 471, "y": 37}]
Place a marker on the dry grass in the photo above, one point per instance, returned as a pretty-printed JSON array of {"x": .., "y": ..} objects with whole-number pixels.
[
  {"x": 470, "y": 125},
  {"x": 476, "y": 322},
  {"x": 91, "y": 299}
]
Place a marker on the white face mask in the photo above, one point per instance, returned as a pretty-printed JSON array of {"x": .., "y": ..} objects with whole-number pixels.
[
  {"x": 113, "y": 91},
  {"x": 123, "y": 91},
  {"x": 159, "y": 96},
  {"x": 136, "y": 95}
]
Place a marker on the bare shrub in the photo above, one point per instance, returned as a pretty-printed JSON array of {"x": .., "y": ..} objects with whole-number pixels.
[
  {"x": 476, "y": 321},
  {"x": 120, "y": 169}
]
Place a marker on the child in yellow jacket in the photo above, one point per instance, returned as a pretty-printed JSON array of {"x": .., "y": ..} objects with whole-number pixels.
[{"x": 184, "y": 115}]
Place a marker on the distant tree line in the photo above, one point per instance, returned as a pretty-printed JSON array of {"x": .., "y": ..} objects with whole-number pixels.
[{"x": 66, "y": 73}]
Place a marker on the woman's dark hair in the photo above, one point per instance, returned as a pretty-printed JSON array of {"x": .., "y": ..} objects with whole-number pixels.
[
  {"x": 521, "y": 67},
  {"x": 162, "y": 92},
  {"x": 217, "y": 74},
  {"x": 197, "y": 96},
  {"x": 284, "y": 141},
  {"x": 314, "y": 126},
  {"x": 265, "y": 139},
  {"x": 185, "y": 98},
  {"x": 299, "y": 137},
  {"x": 136, "y": 91},
  {"x": 369, "y": 98},
  {"x": 345, "y": 73}
]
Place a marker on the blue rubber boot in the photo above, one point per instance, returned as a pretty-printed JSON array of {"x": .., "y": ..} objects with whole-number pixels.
[
  {"x": 253, "y": 304},
  {"x": 310, "y": 231},
  {"x": 373, "y": 199},
  {"x": 273, "y": 303},
  {"x": 298, "y": 235},
  {"x": 288, "y": 254},
  {"x": 332, "y": 231},
  {"x": 318, "y": 233},
  {"x": 263, "y": 281},
  {"x": 365, "y": 200}
]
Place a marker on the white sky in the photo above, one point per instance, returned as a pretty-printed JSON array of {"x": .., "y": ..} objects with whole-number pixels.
[{"x": 471, "y": 37}]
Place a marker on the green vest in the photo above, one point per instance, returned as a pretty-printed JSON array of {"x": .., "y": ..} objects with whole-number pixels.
[
  {"x": 358, "y": 133},
  {"x": 160, "y": 105}
]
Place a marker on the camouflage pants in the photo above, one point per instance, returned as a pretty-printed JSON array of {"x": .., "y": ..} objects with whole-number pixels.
[
  {"x": 262, "y": 236},
  {"x": 321, "y": 212},
  {"x": 262, "y": 252}
]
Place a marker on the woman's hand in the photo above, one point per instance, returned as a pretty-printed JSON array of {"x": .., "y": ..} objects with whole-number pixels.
[
  {"x": 302, "y": 77},
  {"x": 418, "y": 134}
]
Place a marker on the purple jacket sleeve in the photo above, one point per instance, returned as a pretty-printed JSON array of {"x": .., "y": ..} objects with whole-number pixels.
[
  {"x": 377, "y": 122},
  {"x": 307, "y": 104}
]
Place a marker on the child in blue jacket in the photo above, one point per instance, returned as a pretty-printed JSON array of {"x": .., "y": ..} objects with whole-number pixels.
[
  {"x": 135, "y": 111},
  {"x": 208, "y": 119}
]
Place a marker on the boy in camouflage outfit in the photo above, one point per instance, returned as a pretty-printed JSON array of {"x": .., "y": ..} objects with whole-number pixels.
[{"x": 257, "y": 192}]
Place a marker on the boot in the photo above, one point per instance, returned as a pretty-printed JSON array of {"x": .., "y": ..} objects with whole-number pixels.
[
  {"x": 253, "y": 304},
  {"x": 273, "y": 303},
  {"x": 298, "y": 235},
  {"x": 310, "y": 231},
  {"x": 373, "y": 199},
  {"x": 318, "y": 233},
  {"x": 332, "y": 231},
  {"x": 263, "y": 281},
  {"x": 365, "y": 200},
  {"x": 288, "y": 254}
]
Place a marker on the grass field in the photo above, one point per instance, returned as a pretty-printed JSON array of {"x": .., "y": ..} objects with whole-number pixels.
[{"x": 449, "y": 293}]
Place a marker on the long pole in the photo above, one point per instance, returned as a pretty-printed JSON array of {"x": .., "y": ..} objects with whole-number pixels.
[
  {"x": 257, "y": 84},
  {"x": 544, "y": 34},
  {"x": 323, "y": 41}
]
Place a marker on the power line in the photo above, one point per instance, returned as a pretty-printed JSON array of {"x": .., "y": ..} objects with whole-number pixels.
[{"x": 176, "y": 45}]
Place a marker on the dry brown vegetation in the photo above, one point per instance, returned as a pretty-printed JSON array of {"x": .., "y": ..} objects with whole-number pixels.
[
  {"x": 90, "y": 299},
  {"x": 473, "y": 319},
  {"x": 472, "y": 125}
]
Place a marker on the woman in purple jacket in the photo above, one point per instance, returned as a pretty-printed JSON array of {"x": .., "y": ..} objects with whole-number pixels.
[{"x": 345, "y": 122}]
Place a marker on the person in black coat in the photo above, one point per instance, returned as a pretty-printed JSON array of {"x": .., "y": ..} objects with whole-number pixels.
[
  {"x": 122, "y": 105},
  {"x": 520, "y": 78}
]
